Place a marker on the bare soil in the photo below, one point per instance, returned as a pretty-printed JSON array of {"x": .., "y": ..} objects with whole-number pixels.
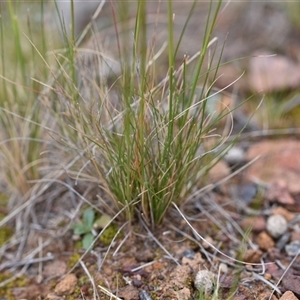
[{"x": 162, "y": 264}]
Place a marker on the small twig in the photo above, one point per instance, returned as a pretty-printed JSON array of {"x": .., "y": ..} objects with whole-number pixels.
[
  {"x": 121, "y": 243},
  {"x": 263, "y": 267},
  {"x": 279, "y": 263},
  {"x": 45, "y": 187},
  {"x": 111, "y": 244},
  {"x": 159, "y": 243},
  {"x": 108, "y": 293},
  {"x": 264, "y": 280},
  {"x": 25, "y": 262},
  {"x": 29, "y": 258},
  {"x": 194, "y": 241},
  {"x": 212, "y": 186},
  {"x": 143, "y": 266},
  {"x": 210, "y": 244},
  {"x": 284, "y": 273},
  {"x": 11, "y": 279},
  {"x": 90, "y": 278},
  {"x": 40, "y": 266}
]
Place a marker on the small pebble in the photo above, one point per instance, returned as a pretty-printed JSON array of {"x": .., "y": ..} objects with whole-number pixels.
[
  {"x": 257, "y": 223},
  {"x": 235, "y": 155},
  {"x": 293, "y": 248},
  {"x": 136, "y": 282},
  {"x": 160, "y": 277},
  {"x": 223, "y": 268},
  {"x": 253, "y": 256},
  {"x": 189, "y": 253},
  {"x": 144, "y": 295},
  {"x": 288, "y": 295},
  {"x": 291, "y": 283},
  {"x": 265, "y": 241},
  {"x": 205, "y": 281},
  {"x": 207, "y": 242},
  {"x": 284, "y": 239},
  {"x": 66, "y": 286},
  {"x": 267, "y": 276},
  {"x": 276, "y": 226},
  {"x": 247, "y": 192}
]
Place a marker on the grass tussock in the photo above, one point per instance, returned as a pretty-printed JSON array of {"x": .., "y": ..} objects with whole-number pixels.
[
  {"x": 148, "y": 143},
  {"x": 22, "y": 119},
  {"x": 145, "y": 137}
]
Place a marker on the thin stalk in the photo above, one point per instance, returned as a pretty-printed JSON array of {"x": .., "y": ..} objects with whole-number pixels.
[
  {"x": 4, "y": 86},
  {"x": 171, "y": 81},
  {"x": 43, "y": 32},
  {"x": 185, "y": 26},
  {"x": 207, "y": 36},
  {"x": 16, "y": 30},
  {"x": 141, "y": 40}
]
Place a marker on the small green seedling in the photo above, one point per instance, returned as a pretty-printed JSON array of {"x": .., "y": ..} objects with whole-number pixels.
[{"x": 85, "y": 228}]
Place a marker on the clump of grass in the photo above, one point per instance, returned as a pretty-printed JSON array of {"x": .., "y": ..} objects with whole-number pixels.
[
  {"x": 149, "y": 143},
  {"x": 148, "y": 139},
  {"x": 22, "y": 121}
]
